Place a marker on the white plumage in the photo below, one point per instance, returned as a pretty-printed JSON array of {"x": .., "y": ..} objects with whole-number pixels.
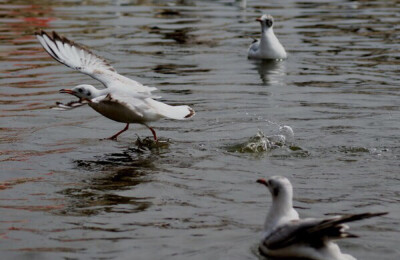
[
  {"x": 287, "y": 236},
  {"x": 268, "y": 46},
  {"x": 123, "y": 100}
]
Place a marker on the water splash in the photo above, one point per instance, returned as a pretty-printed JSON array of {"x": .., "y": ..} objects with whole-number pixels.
[
  {"x": 263, "y": 143},
  {"x": 148, "y": 143},
  {"x": 257, "y": 143}
]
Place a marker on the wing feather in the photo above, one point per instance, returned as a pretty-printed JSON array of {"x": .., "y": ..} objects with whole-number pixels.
[
  {"x": 313, "y": 231},
  {"x": 78, "y": 57},
  {"x": 120, "y": 101}
]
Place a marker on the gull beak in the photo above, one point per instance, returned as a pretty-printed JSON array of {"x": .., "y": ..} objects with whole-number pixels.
[
  {"x": 259, "y": 19},
  {"x": 71, "y": 92},
  {"x": 262, "y": 181},
  {"x": 67, "y": 91}
]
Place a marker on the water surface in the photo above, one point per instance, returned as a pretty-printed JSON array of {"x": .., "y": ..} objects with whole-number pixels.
[{"x": 67, "y": 195}]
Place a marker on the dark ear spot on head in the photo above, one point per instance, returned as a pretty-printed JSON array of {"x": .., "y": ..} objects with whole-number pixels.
[
  {"x": 275, "y": 191},
  {"x": 88, "y": 93},
  {"x": 269, "y": 22}
]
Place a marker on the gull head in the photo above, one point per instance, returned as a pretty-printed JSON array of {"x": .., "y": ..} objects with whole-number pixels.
[
  {"x": 266, "y": 20},
  {"x": 83, "y": 92},
  {"x": 279, "y": 186}
]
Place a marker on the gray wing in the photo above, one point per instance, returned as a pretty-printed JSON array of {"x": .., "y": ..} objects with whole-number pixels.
[
  {"x": 123, "y": 103},
  {"x": 255, "y": 45},
  {"x": 313, "y": 231}
]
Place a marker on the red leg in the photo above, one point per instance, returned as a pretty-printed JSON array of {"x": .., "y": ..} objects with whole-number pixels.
[
  {"x": 154, "y": 133},
  {"x": 114, "y": 137}
]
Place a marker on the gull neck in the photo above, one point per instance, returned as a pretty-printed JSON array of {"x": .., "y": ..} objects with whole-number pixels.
[{"x": 281, "y": 209}]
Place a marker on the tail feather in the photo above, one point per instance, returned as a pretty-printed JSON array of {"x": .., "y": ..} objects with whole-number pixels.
[
  {"x": 173, "y": 112},
  {"x": 179, "y": 112}
]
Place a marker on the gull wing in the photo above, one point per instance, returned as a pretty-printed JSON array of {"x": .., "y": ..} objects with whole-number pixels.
[
  {"x": 138, "y": 106},
  {"x": 313, "y": 231},
  {"x": 145, "y": 106},
  {"x": 254, "y": 46},
  {"x": 80, "y": 58},
  {"x": 129, "y": 104}
]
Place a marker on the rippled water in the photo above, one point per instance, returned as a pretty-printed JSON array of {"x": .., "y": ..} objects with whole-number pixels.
[{"x": 66, "y": 194}]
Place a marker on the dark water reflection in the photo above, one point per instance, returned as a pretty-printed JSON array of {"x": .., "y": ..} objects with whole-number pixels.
[
  {"x": 271, "y": 72},
  {"x": 66, "y": 194},
  {"x": 120, "y": 171}
]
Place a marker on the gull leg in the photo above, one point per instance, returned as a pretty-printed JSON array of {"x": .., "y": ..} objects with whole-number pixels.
[
  {"x": 114, "y": 137},
  {"x": 154, "y": 132}
]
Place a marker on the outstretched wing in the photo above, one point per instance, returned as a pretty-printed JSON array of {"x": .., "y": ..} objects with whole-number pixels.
[
  {"x": 78, "y": 57},
  {"x": 75, "y": 56},
  {"x": 313, "y": 231}
]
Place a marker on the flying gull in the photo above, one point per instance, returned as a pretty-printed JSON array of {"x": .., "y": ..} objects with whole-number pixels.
[
  {"x": 123, "y": 100},
  {"x": 287, "y": 236}
]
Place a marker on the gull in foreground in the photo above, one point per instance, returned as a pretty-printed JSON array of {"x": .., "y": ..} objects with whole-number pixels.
[
  {"x": 268, "y": 47},
  {"x": 287, "y": 236},
  {"x": 123, "y": 100}
]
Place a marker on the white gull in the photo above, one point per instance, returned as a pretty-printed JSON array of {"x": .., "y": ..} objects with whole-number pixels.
[
  {"x": 268, "y": 47},
  {"x": 123, "y": 100},
  {"x": 287, "y": 236}
]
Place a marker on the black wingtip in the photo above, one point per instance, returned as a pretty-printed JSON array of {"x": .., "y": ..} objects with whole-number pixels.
[
  {"x": 191, "y": 113},
  {"x": 380, "y": 214},
  {"x": 39, "y": 32},
  {"x": 53, "y": 35},
  {"x": 370, "y": 215},
  {"x": 42, "y": 32},
  {"x": 355, "y": 217},
  {"x": 56, "y": 36},
  {"x": 349, "y": 235}
]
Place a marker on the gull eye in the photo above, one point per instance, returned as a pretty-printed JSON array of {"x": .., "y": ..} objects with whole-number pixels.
[
  {"x": 268, "y": 22},
  {"x": 275, "y": 191},
  {"x": 80, "y": 90}
]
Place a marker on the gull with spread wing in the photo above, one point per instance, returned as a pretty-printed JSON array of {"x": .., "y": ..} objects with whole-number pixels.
[
  {"x": 287, "y": 236},
  {"x": 123, "y": 100}
]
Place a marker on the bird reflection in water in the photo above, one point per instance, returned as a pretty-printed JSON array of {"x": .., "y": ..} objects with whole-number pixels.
[
  {"x": 270, "y": 71},
  {"x": 113, "y": 173}
]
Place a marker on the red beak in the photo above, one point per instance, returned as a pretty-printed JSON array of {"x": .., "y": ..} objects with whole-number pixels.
[
  {"x": 262, "y": 181},
  {"x": 259, "y": 19},
  {"x": 67, "y": 91}
]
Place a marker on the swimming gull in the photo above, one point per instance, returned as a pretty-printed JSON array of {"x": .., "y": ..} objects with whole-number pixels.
[
  {"x": 123, "y": 100},
  {"x": 286, "y": 235},
  {"x": 268, "y": 47}
]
